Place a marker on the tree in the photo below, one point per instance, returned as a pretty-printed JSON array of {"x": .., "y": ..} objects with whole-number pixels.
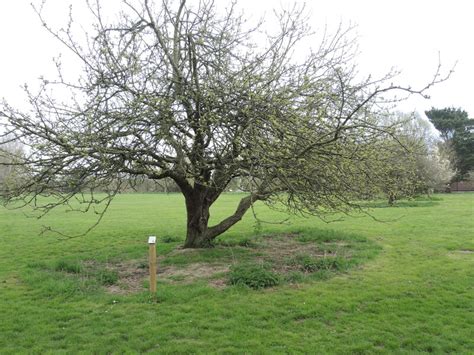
[
  {"x": 184, "y": 92},
  {"x": 447, "y": 120},
  {"x": 400, "y": 170},
  {"x": 463, "y": 146},
  {"x": 10, "y": 157},
  {"x": 431, "y": 167},
  {"x": 454, "y": 126},
  {"x": 412, "y": 163}
]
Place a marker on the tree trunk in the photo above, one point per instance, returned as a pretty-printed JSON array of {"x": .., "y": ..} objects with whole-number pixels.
[
  {"x": 196, "y": 238},
  {"x": 197, "y": 208},
  {"x": 199, "y": 234},
  {"x": 391, "y": 199}
]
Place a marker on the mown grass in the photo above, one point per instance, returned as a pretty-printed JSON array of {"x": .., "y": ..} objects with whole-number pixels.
[
  {"x": 413, "y": 295},
  {"x": 418, "y": 201}
]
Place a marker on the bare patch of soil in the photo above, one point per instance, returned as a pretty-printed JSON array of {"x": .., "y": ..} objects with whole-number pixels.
[
  {"x": 279, "y": 249},
  {"x": 132, "y": 275},
  {"x": 460, "y": 253},
  {"x": 218, "y": 283},
  {"x": 276, "y": 250},
  {"x": 191, "y": 272}
]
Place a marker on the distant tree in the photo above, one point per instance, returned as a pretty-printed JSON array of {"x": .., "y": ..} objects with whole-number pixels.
[
  {"x": 11, "y": 153},
  {"x": 433, "y": 169},
  {"x": 401, "y": 171},
  {"x": 454, "y": 126},
  {"x": 447, "y": 120},
  {"x": 463, "y": 145},
  {"x": 185, "y": 93},
  {"x": 414, "y": 163}
]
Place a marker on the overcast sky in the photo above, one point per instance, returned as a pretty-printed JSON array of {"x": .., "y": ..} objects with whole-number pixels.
[{"x": 406, "y": 34}]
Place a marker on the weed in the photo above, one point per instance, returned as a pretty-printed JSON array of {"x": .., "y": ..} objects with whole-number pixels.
[{"x": 253, "y": 275}]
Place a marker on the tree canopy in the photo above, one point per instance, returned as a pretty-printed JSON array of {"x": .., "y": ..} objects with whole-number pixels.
[
  {"x": 456, "y": 130},
  {"x": 189, "y": 93},
  {"x": 447, "y": 120}
]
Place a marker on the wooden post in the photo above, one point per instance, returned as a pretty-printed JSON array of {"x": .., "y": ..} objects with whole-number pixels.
[{"x": 152, "y": 262}]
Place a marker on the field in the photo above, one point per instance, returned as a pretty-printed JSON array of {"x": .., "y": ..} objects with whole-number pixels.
[{"x": 408, "y": 288}]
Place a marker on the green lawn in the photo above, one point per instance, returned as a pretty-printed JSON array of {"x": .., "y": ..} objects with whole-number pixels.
[{"x": 413, "y": 295}]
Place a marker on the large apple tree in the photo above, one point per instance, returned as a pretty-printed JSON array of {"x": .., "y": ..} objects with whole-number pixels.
[{"x": 179, "y": 91}]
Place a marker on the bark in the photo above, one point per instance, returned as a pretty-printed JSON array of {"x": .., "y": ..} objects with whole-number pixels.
[
  {"x": 199, "y": 234},
  {"x": 197, "y": 209}
]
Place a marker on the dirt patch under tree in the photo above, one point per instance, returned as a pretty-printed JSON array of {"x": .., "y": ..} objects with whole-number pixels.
[{"x": 275, "y": 249}]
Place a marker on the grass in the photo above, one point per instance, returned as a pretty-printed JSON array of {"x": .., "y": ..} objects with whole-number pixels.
[
  {"x": 254, "y": 276},
  {"x": 268, "y": 260},
  {"x": 413, "y": 293},
  {"x": 419, "y": 201},
  {"x": 307, "y": 263}
]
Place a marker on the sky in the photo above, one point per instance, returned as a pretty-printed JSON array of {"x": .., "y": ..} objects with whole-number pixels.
[{"x": 412, "y": 36}]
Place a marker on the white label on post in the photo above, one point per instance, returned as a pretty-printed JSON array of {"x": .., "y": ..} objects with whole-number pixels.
[{"x": 151, "y": 239}]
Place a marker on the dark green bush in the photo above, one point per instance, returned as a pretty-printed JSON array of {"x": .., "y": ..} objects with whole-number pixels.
[{"x": 253, "y": 276}]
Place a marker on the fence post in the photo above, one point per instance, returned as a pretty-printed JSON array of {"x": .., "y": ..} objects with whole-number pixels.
[{"x": 152, "y": 262}]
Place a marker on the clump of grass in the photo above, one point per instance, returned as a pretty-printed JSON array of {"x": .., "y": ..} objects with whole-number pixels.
[
  {"x": 142, "y": 265},
  {"x": 245, "y": 243},
  {"x": 308, "y": 263},
  {"x": 71, "y": 267},
  {"x": 294, "y": 277},
  {"x": 325, "y": 236},
  {"x": 427, "y": 198},
  {"x": 254, "y": 276},
  {"x": 170, "y": 239},
  {"x": 107, "y": 277},
  {"x": 87, "y": 276}
]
